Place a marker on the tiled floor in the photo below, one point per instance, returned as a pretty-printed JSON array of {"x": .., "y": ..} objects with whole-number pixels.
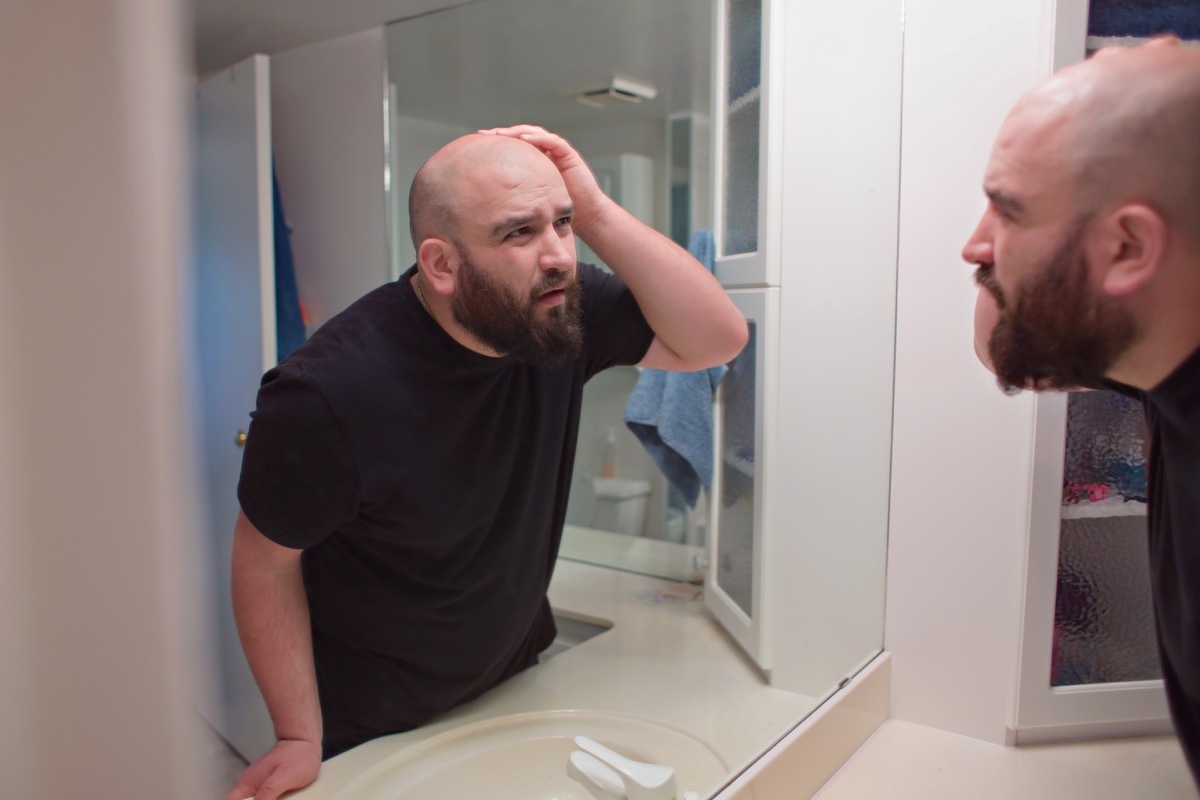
[{"x": 905, "y": 761}]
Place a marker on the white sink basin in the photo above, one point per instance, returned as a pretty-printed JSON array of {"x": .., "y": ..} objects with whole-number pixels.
[{"x": 524, "y": 757}]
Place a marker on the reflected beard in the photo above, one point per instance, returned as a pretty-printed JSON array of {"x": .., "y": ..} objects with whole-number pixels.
[
  {"x": 491, "y": 313},
  {"x": 1056, "y": 333}
]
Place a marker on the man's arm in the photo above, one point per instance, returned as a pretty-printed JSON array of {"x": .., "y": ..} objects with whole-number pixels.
[
  {"x": 271, "y": 610},
  {"x": 696, "y": 325}
]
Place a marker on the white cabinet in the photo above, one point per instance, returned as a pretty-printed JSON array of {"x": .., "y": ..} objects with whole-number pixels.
[
  {"x": 806, "y": 184},
  {"x": 747, "y": 140},
  {"x": 745, "y": 413},
  {"x": 1088, "y": 656}
]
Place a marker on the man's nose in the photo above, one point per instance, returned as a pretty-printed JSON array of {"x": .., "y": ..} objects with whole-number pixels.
[
  {"x": 978, "y": 249},
  {"x": 560, "y": 252}
]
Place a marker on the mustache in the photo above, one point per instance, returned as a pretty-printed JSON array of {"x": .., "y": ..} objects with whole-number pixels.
[
  {"x": 554, "y": 281},
  {"x": 985, "y": 278}
]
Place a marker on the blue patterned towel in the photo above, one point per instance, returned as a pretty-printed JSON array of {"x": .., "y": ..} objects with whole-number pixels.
[{"x": 671, "y": 413}]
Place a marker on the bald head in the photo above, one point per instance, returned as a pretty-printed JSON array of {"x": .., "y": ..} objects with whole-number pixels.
[
  {"x": 1125, "y": 126},
  {"x": 449, "y": 178}
]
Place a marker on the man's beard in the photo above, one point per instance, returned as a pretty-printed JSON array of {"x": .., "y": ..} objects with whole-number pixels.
[
  {"x": 511, "y": 325},
  {"x": 1056, "y": 333}
]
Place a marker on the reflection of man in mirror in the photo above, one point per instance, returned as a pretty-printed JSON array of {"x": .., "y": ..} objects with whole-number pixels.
[
  {"x": 405, "y": 478},
  {"x": 1089, "y": 263}
]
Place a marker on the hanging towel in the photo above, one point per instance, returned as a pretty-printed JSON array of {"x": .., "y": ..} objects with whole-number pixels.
[
  {"x": 671, "y": 413},
  {"x": 289, "y": 314}
]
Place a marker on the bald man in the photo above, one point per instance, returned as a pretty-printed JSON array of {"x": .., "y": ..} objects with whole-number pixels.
[
  {"x": 405, "y": 476},
  {"x": 1089, "y": 266}
]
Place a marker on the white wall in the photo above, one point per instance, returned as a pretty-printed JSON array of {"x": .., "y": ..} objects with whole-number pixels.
[
  {"x": 644, "y": 137},
  {"x": 961, "y": 465},
  {"x": 327, "y": 122},
  {"x": 412, "y": 141},
  {"x": 98, "y": 537}
]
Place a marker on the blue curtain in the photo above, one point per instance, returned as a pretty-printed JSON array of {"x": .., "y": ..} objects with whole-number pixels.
[{"x": 289, "y": 316}]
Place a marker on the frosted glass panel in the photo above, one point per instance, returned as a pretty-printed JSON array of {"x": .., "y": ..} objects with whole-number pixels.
[
  {"x": 1103, "y": 614},
  {"x": 1105, "y": 455},
  {"x": 735, "y": 506},
  {"x": 1103, "y": 617},
  {"x": 1144, "y": 18},
  {"x": 744, "y": 66},
  {"x": 743, "y": 70}
]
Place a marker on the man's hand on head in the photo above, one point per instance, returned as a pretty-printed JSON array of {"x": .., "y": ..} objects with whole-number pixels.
[{"x": 589, "y": 199}]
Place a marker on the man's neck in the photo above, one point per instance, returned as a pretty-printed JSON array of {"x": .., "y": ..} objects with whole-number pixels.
[
  {"x": 1158, "y": 353},
  {"x": 442, "y": 316}
]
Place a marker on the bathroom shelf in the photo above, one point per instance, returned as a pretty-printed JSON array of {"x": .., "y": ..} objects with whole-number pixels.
[
  {"x": 1116, "y": 507},
  {"x": 1097, "y": 42}
]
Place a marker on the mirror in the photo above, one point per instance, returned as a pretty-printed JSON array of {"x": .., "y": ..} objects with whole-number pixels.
[{"x": 628, "y": 83}]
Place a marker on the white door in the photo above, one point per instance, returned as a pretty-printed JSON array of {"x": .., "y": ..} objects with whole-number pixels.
[
  {"x": 234, "y": 286},
  {"x": 736, "y": 588}
]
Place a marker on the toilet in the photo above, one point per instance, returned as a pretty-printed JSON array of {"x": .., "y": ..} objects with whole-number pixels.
[{"x": 620, "y": 505}]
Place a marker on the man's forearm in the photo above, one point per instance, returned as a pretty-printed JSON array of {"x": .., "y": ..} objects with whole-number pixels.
[
  {"x": 684, "y": 303},
  {"x": 272, "y": 616}
]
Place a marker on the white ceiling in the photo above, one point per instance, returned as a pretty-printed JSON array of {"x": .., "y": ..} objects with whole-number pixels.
[
  {"x": 505, "y": 61},
  {"x": 226, "y": 31},
  {"x": 480, "y": 60}
]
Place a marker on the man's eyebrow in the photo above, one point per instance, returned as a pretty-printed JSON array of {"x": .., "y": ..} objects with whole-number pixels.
[
  {"x": 512, "y": 223},
  {"x": 1005, "y": 202},
  {"x": 521, "y": 220}
]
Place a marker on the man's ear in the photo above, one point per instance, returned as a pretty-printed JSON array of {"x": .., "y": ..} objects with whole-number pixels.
[
  {"x": 1129, "y": 248},
  {"x": 437, "y": 258}
]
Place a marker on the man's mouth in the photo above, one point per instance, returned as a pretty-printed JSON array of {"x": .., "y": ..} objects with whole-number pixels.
[
  {"x": 985, "y": 278},
  {"x": 554, "y": 295}
]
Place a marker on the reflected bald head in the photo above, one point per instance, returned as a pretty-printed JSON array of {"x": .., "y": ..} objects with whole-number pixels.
[
  {"x": 439, "y": 188},
  {"x": 1125, "y": 126}
]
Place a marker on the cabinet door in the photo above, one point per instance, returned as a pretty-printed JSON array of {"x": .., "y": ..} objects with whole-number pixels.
[
  {"x": 1088, "y": 658},
  {"x": 747, "y": 140},
  {"x": 234, "y": 285},
  {"x": 736, "y": 585}
]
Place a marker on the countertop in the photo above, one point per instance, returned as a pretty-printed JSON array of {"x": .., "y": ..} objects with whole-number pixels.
[{"x": 665, "y": 658}]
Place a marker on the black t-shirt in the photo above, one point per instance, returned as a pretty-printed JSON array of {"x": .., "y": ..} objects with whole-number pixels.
[
  {"x": 427, "y": 485},
  {"x": 1173, "y": 482}
]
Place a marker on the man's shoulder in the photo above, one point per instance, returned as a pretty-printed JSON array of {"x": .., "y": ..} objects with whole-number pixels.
[{"x": 361, "y": 329}]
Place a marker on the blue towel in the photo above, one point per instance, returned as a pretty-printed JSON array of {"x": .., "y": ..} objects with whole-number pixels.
[{"x": 671, "y": 413}]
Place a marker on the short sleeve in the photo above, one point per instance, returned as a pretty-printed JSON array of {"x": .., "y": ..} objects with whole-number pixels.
[
  {"x": 617, "y": 331},
  {"x": 298, "y": 482}
]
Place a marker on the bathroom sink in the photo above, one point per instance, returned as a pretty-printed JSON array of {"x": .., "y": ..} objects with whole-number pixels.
[
  {"x": 573, "y": 629},
  {"x": 524, "y": 757}
]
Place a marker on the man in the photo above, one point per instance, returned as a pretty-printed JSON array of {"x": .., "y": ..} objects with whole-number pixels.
[
  {"x": 405, "y": 476},
  {"x": 1089, "y": 266}
]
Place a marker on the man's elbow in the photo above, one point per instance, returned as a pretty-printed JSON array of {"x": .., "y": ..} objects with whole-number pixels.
[
  {"x": 725, "y": 344},
  {"x": 735, "y": 339}
]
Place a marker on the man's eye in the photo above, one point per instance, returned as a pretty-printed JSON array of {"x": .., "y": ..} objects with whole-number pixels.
[
  {"x": 562, "y": 222},
  {"x": 513, "y": 234}
]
